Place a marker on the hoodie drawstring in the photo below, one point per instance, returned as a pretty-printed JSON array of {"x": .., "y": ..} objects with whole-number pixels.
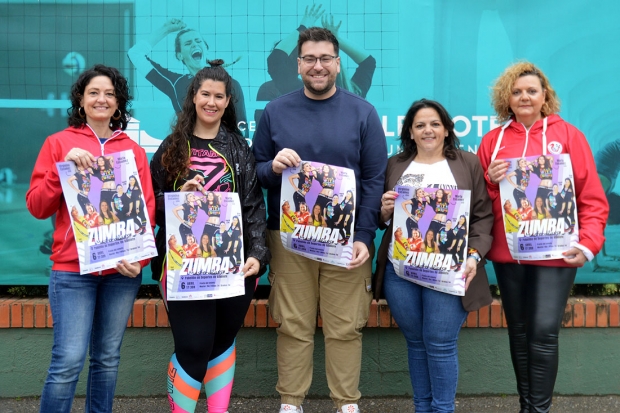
[{"x": 527, "y": 135}]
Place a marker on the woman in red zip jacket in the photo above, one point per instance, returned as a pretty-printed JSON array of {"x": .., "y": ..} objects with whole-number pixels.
[
  {"x": 88, "y": 309},
  {"x": 534, "y": 293}
]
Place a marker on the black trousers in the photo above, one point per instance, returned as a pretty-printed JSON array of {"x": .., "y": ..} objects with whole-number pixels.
[
  {"x": 534, "y": 299},
  {"x": 205, "y": 329}
]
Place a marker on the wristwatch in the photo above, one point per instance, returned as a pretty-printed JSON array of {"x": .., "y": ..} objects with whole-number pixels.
[{"x": 475, "y": 256}]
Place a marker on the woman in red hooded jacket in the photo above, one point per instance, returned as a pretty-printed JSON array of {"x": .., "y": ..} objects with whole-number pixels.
[
  {"x": 88, "y": 309},
  {"x": 534, "y": 293}
]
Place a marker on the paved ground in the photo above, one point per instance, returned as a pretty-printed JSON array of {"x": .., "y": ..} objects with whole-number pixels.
[{"x": 509, "y": 404}]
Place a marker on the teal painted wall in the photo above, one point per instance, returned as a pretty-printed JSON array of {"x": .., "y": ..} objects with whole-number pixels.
[
  {"x": 441, "y": 49},
  {"x": 589, "y": 363}
]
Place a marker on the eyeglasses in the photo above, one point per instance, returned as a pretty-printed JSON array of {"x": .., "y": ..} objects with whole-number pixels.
[{"x": 326, "y": 60}]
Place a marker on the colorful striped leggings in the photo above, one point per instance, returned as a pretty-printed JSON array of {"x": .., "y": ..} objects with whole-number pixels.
[{"x": 204, "y": 334}]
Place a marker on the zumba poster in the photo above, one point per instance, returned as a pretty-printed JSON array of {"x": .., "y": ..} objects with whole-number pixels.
[
  {"x": 539, "y": 207},
  {"x": 204, "y": 245},
  {"x": 317, "y": 218},
  {"x": 107, "y": 208},
  {"x": 429, "y": 237}
]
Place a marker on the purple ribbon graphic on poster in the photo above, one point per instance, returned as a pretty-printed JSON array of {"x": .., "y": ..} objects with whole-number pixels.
[
  {"x": 317, "y": 216},
  {"x": 108, "y": 212},
  {"x": 429, "y": 237},
  {"x": 205, "y": 247},
  {"x": 539, "y": 207}
]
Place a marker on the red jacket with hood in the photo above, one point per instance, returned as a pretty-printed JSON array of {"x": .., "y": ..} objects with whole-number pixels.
[
  {"x": 562, "y": 137},
  {"x": 44, "y": 198}
]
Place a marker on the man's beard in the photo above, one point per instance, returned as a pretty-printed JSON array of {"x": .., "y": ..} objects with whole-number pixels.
[{"x": 328, "y": 87}]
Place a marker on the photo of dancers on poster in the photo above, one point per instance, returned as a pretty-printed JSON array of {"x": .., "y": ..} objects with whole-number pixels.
[
  {"x": 539, "y": 208},
  {"x": 430, "y": 237},
  {"x": 205, "y": 245},
  {"x": 317, "y": 219},
  {"x": 107, "y": 208}
]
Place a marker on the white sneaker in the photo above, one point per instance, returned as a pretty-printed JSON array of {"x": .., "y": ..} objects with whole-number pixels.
[
  {"x": 286, "y": 408},
  {"x": 349, "y": 408}
]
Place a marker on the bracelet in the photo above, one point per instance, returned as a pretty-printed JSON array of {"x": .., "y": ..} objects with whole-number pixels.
[{"x": 473, "y": 253}]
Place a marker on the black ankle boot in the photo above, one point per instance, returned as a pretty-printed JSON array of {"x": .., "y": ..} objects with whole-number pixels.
[
  {"x": 525, "y": 405},
  {"x": 539, "y": 409}
]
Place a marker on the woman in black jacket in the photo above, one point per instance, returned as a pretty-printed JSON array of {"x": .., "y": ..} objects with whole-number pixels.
[{"x": 206, "y": 152}]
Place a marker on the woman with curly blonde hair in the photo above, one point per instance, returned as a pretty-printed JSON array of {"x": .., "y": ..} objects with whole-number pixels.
[{"x": 534, "y": 292}]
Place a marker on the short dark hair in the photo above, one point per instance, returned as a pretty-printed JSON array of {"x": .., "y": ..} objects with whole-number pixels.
[
  {"x": 121, "y": 91},
  {"x": 409, "y": 148},
  {"x": 317, "y": 34}
]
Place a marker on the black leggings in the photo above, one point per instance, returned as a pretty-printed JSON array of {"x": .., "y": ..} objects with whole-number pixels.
[
  {"x": 185, "y": 230},
  {"x": 107, "y": 195},
  {"x": 139, "y": 218},
  {"x": 543, "y": 193},
  {"x": 83, "y": 201},
  {"x": 534, "y": 299},
  {"x": 411, "y": 225},
  {"x": 298, "y": 199},
  {"x": 204, "y": 329},
  {"x": 345, "y": 230}
]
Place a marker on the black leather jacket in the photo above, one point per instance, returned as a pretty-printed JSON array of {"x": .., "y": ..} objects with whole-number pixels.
[{"x": 239, "y": 156}]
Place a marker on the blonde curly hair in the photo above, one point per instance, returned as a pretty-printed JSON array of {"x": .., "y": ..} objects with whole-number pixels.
[{"x": 502, "y": 90}]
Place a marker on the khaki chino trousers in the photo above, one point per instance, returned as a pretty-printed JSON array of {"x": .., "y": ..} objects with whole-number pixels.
[{"x": 300, "y": 286}]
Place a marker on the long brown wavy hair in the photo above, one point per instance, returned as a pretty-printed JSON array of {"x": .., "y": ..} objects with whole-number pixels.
[{"x": 175, "y": 158}]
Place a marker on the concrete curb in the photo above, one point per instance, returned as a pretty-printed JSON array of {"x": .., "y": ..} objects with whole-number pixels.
[{"x": 561, "y": 404}]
